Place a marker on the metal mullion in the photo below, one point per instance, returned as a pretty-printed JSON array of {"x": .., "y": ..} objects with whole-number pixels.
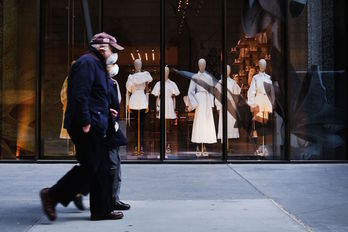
[
  {"x": 224, "y": 83},
  {"x": 38, "y": 98},
  {"x": 162, "y": 80},
  {"x": 287, "y": 109}
]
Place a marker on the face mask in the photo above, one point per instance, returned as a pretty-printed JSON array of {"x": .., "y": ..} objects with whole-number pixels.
[
  {"x": 114, "y": 70},
  {"x": 112, "y": 59}
]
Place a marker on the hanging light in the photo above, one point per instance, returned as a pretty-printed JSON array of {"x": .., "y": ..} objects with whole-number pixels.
[{"x": 153, "y": 54}]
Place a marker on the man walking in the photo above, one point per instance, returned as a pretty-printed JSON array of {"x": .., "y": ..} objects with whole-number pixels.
[{"x": 86, "y": 120}]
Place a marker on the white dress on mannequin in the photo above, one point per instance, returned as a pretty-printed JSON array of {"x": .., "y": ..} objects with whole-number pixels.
[
  {"x": 203, "y": 130},
  {"x": 257, "y": 95},
  {"x": 232, "y": 132},
  {"x": 170, "y": 89},
  {"x": 136, "y": 85}
]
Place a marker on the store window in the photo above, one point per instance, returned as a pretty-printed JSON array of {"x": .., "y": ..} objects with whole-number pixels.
[
  {"x": 136, "y": 25},
  {"x": 253, "y": 36},
  {"x": 18, "y": 40},
  {"x": 193, "y": 56},
  {"x": 317, "y": 80},
  {"x": 64, "y": 39},
  {"x": 289, "y": 105}
]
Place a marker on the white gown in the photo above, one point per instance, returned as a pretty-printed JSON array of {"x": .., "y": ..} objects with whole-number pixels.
[
  {"x": 232, "y": 132},
  {"x": 136, "y": 85},
  {"x": 203, "y": 130},
  {"x": 257, "y": 95},
  {"x": 170, "y": 89}
]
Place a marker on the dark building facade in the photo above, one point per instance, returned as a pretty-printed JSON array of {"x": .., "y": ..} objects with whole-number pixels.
[{"x": 303, "y": 43}]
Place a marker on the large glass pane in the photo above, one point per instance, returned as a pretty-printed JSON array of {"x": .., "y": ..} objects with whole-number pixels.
[
  {"x": 18, "y": 79},
  {"x": 317, "y": 79},
  {"x": 255, "y": 125},
  {"x": 65, "y": 39},
  {"x": 136, "y": 26},
  {"x": 193, "y": 32}
]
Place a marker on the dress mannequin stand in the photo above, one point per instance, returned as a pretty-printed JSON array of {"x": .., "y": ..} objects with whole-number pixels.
[
  {"x": 137, "y": 99},
  {"x": 200, "y": 100},
  {"x": 171, "y": 91},
  {"x": 259, "y": 102}
]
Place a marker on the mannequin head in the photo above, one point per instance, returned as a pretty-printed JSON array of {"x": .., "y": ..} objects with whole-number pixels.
[
  {"x": 137, "y": 65},
  {"x": 201, "y": 65},
  {"x": 262, "y": 65},
  {"x": 228, "y": 70},
  {"x": 166, "y": 73}
]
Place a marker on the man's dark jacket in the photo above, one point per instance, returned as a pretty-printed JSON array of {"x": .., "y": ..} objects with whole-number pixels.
[{"x": 88, "y": 93}]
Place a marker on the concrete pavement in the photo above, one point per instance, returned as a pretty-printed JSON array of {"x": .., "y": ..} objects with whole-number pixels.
[{"x": 221, "y": 197}]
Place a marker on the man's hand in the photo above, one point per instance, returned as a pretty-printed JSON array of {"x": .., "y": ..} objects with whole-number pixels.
[
  {"x": 113, "y": 113},
  {"x": 128, "y": 109},
  {"x": 86, "y": 128},
  {"x": 147, "y": 110}
]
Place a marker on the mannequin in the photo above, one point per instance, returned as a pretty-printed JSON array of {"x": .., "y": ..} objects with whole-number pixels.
[
  {"x": 232, "y": 86},
  {"x": 64, "y": 100},
  {"x": 137, "y": 99},
  {"x": 200, "y": 100},
  {"x": 171, "y": 91},
  {"x": 259, "y": 102}
]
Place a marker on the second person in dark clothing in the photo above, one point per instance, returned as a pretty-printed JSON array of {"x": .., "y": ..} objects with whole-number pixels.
[{"x": 114, "y": 136}]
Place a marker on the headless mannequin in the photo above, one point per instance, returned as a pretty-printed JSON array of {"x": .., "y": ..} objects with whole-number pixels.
[
  {"x": 261, "y": 105},
  {"x": 137, "y": 66},
  {"x": 200, "y": 100},
  {"x": 171, "y": 91},
  {"x": 140, "y": 111}
]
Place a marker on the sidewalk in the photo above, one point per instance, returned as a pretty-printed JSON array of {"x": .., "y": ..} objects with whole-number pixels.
[{"x": 238, "y": 197}]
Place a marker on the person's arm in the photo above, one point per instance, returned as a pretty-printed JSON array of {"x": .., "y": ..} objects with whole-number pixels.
[
  {"x": 117, "y": 102},
  {"x": 118, "y": 92},
  {"x": 81, "y": 85}
]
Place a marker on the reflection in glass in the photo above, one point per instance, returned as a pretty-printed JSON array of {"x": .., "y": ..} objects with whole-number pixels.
[
  {"x": 317, "y": 95},
  {"x": 18, "y": 79},
  {"x": 253, "y": 71}
]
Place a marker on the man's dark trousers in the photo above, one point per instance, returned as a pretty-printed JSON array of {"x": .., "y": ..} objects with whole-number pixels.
[{"x": 91, "y": 175}]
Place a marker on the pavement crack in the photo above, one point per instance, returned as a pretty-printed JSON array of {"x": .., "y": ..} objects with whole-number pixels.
[
  {"x": 30, "y": 227},
  {"x": 251, "y": 184}
]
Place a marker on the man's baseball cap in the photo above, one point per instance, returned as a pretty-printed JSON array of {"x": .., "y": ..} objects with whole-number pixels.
[{"x": 104, "y": 38}]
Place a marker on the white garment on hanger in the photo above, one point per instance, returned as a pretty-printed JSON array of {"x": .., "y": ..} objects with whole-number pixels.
[
  {"x": 203, "y": 129},
  {"x": 136, "y": 85},
  {"x": 257, "y": 95},
  {"x": 170, "y": 89},
  {"x": 232, "y": 132}
]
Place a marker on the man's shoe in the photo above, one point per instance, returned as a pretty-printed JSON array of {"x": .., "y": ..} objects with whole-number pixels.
[
  {"x": 48, "y": 204},
  {"x": 119, "y": 205},
  {"x": 79, "y": 203},
  {"x": 111, "y": 216}
]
